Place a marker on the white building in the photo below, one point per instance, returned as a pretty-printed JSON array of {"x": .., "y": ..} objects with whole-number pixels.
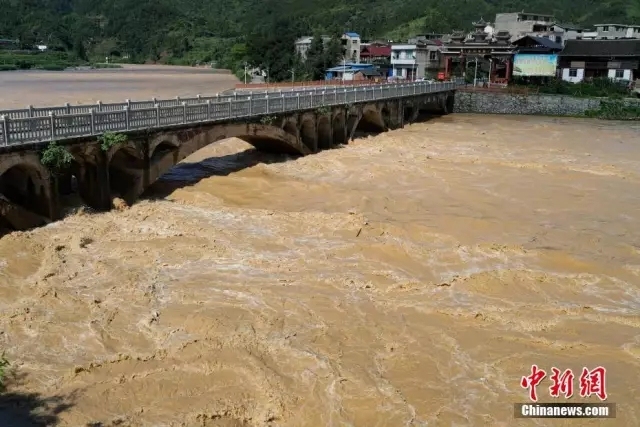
[
  {"x": 409, "y": 60},
  {"x": 587, "y": 59},
  {"x": 617, "y": 31},
  {"x": 304, "y": 43},
  {"x": 520, "y": 24}
]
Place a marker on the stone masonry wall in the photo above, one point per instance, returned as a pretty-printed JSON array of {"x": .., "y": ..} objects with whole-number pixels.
[{"x": 508, "y": 103}]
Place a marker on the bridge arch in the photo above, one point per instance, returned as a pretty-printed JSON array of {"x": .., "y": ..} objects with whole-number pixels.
[
  {"x": 339, "y": 129},
  {"x": 172, "y": 147},
  {"x": 26, "y": 192},
  {"x": 308, "y": 133},
  {"x": 325, "y": 137}
]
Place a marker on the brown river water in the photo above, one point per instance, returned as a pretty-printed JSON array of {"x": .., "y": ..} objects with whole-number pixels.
[{"x": 407, "y": 279}]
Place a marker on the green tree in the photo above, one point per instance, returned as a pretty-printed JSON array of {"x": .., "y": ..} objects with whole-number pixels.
[{"x": 315, "y": 63}]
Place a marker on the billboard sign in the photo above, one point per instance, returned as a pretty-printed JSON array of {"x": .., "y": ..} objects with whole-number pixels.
[{"x": 534, "y": 65}]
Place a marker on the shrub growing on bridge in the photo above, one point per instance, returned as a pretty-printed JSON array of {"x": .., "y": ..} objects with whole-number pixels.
[
  {"x": 56, "y": 158},
  {"x": 110, "y": 139},
  {"x": 4, "y": 364}
]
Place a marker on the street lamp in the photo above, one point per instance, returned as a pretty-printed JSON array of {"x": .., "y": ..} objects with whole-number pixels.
[
  {"x": 293, "y": 75},
  {"x": 245, "y": 72}
]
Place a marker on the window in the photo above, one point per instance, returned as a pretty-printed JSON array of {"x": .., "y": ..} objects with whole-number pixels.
[
  {"x": 558, "y": 39},
  {"x": 573, "y": 72},
  {"x": 612, "y": 28},
  {"x": 432, "y": 55},
  {"x": 619, "y": 74}
]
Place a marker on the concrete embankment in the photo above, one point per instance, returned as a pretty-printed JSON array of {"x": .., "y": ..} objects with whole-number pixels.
[{"x": 535, "y": 104}]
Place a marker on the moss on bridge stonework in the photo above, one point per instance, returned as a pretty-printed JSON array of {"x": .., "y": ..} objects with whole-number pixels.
[{"x": 36, "y": 183}]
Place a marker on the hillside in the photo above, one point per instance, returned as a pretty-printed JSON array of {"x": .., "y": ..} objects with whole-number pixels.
[{"x": 187, "y": 31}]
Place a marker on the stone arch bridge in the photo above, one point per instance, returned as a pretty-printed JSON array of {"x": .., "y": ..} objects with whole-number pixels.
[{"x": 30, "y": 193}]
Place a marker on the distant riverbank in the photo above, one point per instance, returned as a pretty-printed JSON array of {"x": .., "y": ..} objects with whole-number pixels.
[{"x": 75, "y": 86}]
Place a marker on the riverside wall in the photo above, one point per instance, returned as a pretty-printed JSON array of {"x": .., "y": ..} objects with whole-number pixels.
[{"x": 534, "y": 104}]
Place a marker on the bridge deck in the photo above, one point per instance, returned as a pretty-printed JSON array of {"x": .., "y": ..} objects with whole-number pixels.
[{"x": 33, "y": 125}]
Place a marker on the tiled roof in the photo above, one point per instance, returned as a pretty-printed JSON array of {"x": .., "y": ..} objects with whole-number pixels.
[
  {"x": 376, "y": 51},
  {"x": 606, "y": 48},
  {"x": 542, "y": 41}
]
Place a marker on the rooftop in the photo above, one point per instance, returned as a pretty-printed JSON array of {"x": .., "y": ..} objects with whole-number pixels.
[
  {"x": 602, "y": 48},
  {"x": 541, "y": 41},
  {"x": 352, "y": 35}
]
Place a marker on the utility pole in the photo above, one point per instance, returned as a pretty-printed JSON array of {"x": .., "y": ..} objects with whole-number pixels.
[
  {"x": 475, "y": 74},
  {"x": 267, "y": 75},
  {"x": 344, "y": 67},
  {"x": 293, "y": 75}
]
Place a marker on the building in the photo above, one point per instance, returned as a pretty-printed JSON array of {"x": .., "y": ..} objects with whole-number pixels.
[
  {"x": 375, "y": 53},
  {"x": 491, "y": 50},
  {"x": 368, "y": 74},
  {"x": 426, "y": 37},
  {"x": 351, "y": 47},
  {"x": 347, "y": 71},
  {"x": 520, "y": 24},
  {"x": 535, "y": 57},
  {"x": 409, "y": 60},
  {"x": 587, "y": 59},
  {"x": 304, "y": 43},
  {"x": 617, "y": 31}
]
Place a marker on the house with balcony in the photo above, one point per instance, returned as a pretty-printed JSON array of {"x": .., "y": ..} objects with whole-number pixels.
[
  {"x": 409, "y": 60},
  {"x": 375, "y": 53},
  {"x": 588, "y": 59},
  {"x": 520, "y": 24},
  {"x": 617, "y": 31},
  {"x": 351, "y": 47}
]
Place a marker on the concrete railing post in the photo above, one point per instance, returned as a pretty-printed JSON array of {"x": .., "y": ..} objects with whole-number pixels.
[
  {"x": 345, "y": 95},
  {"x": 5, "y": 129},
  {"x": 266, "y": 97},
  {"x": 31, "y": 112},
  {"x": 128, "y": 102},
  {"x": 250, "y": 105},
  {"x": 298, "y": 101},
  {"x": 52, "y": 125},
  {"x": 230, "y": 107},
  {"x": 157, "y": 114},
  {"x": 126, "y": 117},
  {"x": 93, "y": 121},
  {"x": 282, "y": 99},
  {"x": 99, "y": 103},
  {"x": 208, "y": 109},
  {"x": 184, "y": 112},
  {"x": 67, "y": 108},
  {"x": 198, "y": 97},
  {"x": 177, "y": 100},
  {"x": 324, "y": 102},
  {"x": 154, "y": 100}
]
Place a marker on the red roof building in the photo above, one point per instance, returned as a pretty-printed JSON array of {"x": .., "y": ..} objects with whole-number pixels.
[{"x": 375, "y": 52}]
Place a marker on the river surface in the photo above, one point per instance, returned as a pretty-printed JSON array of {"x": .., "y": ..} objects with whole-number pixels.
[
  {"x": 407, "y": 279},
  {"x": 19, "y": 89}
]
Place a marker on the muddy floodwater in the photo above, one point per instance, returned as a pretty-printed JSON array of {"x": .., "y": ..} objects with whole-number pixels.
[
  {"x": 19, "y": 89},
  {"x": 407, "y": 279}
]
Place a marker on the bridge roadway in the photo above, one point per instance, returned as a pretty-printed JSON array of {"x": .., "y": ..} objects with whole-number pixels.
[
  {"x": 160, "y": 133},
  {"x": 38, "y": 124}
]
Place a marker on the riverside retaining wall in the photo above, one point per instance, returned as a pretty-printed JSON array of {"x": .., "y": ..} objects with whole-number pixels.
[{"x": 539, "y": 104}]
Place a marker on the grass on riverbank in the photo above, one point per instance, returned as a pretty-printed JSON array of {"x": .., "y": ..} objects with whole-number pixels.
[
  {"x": 596, "y": 88},
  {"x": 615, "y": 110},
  {"x": 24, "y": 60}
]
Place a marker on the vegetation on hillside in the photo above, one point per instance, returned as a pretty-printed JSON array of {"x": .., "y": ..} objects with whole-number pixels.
[{"x": 259, "y": 31}]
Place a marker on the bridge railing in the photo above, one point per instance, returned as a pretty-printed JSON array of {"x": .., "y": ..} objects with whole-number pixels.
[
  {"x": 31, "y": 111},
  {"x": 63, "y": 123}
]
